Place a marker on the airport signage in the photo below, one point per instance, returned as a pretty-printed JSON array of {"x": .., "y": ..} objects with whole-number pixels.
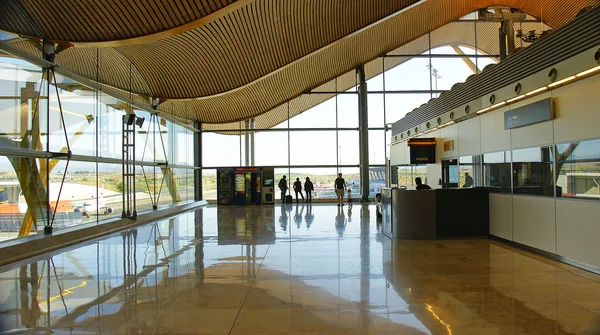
[
  {"x": 536, "y": 112},
  {"x": 422, "y": 150}
]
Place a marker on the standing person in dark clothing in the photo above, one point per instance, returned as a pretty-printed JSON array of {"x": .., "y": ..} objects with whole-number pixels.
[
  {"x": 298, "y": 189},
  {"x": 308, "y": 187},
  {"x": 340, "y": 188},
  {"x": 468, "y": 180},
  {"x": 420, "y": 185},
  {"x": 283, "y": 188}
]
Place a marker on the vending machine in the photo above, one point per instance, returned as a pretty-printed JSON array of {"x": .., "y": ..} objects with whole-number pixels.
[
  {"x": 245, "y": 186},
  {"x": 268, "y": 186}
]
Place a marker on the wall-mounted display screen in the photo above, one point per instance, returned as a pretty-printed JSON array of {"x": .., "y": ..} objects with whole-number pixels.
[
  {"x": 422, "y": 150},
  {"x": 268, "y": 182}
]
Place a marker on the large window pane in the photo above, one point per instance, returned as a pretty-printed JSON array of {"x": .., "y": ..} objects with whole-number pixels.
[
  {"x": 533, "y": 172},
  {"x": 449, "y": 71},
  {"x": 470, "y": 171},
  {"x": 347, "y": 110},
  {"x": 79, "y": 113},
  {"x": 312, "y": 148},
  {"x": 322, "y": 179},
  {"x": 348, "y": 147},
  {"x": 375, "y": 110},
  {"x": 578, "y": 166},
  {"x": 374, "y": 68},
  {"x": 209, "y": 184},
  {"x": 376, "y": 180},
  {"x": 319, "y": 116},
  {"x": 398, "y": 105},
  {"x": 110, "y": 192},
  {"x": 376, "y": 147},
  {"x": 19, "y": 87},
  {"x": 279, "y": 173},
  {"x": 497, "y": 171},
  {"x": 221, "y": 150},
  {"x": 271, "y": 148},
  {"x": 110, "y": 126},
  {"x": 413, "y": 74}
]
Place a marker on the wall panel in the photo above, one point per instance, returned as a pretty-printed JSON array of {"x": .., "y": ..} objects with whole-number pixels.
[
  {"x": 501, "y": 216},
  {"x": 577, "y": 109},
  {"x": 493, "y": 136},
  {"x": 534, "y": 222},
  {"x": 577, "y": 230},
  {"x": 469, "y": 137},
  {"x": 399, "y": 154}
]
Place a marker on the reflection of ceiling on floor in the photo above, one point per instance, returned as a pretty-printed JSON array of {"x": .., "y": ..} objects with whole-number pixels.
[{"x": 236, "y": 59}]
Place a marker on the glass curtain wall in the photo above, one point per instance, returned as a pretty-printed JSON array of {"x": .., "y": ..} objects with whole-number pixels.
[
  {"x": 324, "y": 140},
  {"x": 42, "y": 185}
]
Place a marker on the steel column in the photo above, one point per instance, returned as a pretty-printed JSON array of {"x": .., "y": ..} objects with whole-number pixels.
[
  {"x": 252, "y": 146},
  {"x": 363, "y": 133},
  {"x": 247, "y": 143},
  {"x": 198, "y": 162}
]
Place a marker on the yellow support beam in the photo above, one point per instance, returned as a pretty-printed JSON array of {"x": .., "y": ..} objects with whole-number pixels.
[
  {"x": 466, "y": 59},
  {"x": 171, "y": 184}
]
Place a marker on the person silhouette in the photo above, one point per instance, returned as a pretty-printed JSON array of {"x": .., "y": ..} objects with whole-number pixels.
[
  {"x": 308, "y": 188},
  {"x": 298, "y": 189},
  {"x": 420, "y": 185},
  {"x": 468, "y": 180}
]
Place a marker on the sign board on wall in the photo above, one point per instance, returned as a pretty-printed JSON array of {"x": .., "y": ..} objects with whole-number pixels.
[
  {"x": 536, "y": 112},
  {"x": 449, "y": 146},
  {"x": 422, "y": 150}
]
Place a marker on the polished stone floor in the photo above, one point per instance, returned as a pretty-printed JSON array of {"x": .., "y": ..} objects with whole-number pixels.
[{"x": 297, "y": 269}]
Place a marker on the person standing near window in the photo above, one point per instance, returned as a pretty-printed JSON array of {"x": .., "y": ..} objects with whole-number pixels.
[
  {"x": 340, "y": 189},
  {"x": 298, "y": 189},
  {"x": 283, "y": 188},
  {"x": 308, "y": 187}
]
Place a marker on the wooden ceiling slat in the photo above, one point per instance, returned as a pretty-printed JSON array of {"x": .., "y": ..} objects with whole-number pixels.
[{"x": 264, "y": 53}]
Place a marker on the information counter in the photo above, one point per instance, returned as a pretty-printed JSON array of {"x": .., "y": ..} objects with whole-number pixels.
[{"x": 435, "y": 214}]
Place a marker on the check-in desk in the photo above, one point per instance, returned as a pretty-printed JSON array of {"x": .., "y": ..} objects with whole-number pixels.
[{"x": 435, "y": 214}]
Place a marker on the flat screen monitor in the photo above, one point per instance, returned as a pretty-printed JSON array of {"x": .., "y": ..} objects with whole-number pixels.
[{"x": 268, "y": 182}]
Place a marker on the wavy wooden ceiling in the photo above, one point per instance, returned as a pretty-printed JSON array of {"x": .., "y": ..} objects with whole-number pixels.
[
  {"x": 236, "y": 60},
  {"x": 454, "y": 33}
]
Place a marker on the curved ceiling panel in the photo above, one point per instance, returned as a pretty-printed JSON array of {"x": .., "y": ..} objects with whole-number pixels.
[
  {"x": 329, "y": 62},
  {"x": 454, "y": 33},
  {"x": 249, "y": 59},
  {"x": 102, "y": 20}
]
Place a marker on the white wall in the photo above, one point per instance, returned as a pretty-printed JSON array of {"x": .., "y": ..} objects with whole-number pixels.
[
  {"x": 577, "y": 117},
  {"x": 578, "y": 230},
  {"x": 494, "y": 137},
  {"x": 501, "y": 215},
  {"x": 534, "y": 222},
  {"x": 469, "y": 137},
  {"x": 567, "y": 227},
  {"x": 399, "y": 154}
]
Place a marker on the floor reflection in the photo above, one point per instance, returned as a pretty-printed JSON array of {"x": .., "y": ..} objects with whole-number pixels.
[{"x": 321, "y": 269}]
